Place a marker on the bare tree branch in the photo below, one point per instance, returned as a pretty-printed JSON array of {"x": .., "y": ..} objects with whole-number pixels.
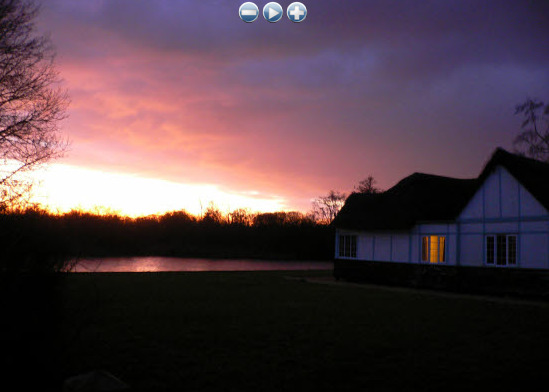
[
  {"x": 367, "y": 186},
  {"x": 325, "y": 208},
  {"x": 31, "y": 101},
  {"x": 533, "y": 141}
]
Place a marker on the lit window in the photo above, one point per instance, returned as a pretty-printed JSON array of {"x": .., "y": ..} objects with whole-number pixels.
[
  {"x": 347, "y": 246},
  {"x": 433, "y": 249},
  {"x": 501, "y": 250}
]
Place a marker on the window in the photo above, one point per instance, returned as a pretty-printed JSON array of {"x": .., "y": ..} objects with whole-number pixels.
[
  {"x": 490, "y": 250},
  {"x": 501, "y": 249},
  {"x": 433, "y": 249},
  {"x": 347, "y": 246},
  {"x": 512, "y": 250}
]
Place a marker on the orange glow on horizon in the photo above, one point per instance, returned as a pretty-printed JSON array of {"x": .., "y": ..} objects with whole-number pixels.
[{"x": 61, "y": 188}]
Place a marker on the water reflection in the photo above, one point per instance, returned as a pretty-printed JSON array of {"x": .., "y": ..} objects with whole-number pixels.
[{"x": 161, "y": 264}]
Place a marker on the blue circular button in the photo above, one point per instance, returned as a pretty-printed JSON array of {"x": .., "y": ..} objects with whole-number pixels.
[
  {"x": 297, "y": 12},
  {"x": 248, "y": 12},
  {"x": 272, "y": 12}
]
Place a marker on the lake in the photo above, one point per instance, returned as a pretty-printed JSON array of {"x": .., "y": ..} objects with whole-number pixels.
[{"x": 162, "y": 264}]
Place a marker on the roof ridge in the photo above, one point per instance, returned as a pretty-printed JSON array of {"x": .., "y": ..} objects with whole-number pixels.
[{"x": 431, "y": 197}]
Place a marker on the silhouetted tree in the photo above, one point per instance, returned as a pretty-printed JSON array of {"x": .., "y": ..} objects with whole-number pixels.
[
  {"x": 367, "y": 186},
  {"x": 533, "y": 141},
  {"x": 31, "y": 103},
  {"x": 212, "y": 215},
  {"x": 297, "y": 218},
  {"x": 175, "y": 218},
  {"x": 270, "y": 219},
  {"x": 241, "y": 217},
  {"x": 325, "y": 208}
]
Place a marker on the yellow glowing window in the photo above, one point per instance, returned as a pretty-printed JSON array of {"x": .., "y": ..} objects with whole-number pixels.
[{"x": 433, "y": 249}]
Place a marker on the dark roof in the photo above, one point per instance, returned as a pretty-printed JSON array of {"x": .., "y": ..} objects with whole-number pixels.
[
  {"x": 419, "y": 197},
  {"x": 429, "y": 198}
]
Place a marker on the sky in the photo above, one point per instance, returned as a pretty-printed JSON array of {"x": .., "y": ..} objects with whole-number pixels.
[{"x": 176, "y": 104}]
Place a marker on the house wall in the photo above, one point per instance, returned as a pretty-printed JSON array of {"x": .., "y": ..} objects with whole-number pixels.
[
  {"x": 400, "y": 246},
  {"x": 503, "y": 206},
  {"x": 379, "y": 246}
]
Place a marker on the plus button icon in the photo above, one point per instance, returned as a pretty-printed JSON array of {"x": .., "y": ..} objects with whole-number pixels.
[{"x": 297, "y": 12}]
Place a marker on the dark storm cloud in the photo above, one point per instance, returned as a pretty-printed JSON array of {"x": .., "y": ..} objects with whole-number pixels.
[{"x": 499, "y": 30}]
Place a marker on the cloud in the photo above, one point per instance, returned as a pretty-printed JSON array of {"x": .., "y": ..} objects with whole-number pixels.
[{"x": 184, "y": 90}]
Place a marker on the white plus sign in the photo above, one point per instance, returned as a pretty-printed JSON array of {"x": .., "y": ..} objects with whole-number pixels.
[{"x": 297, "y": 13}]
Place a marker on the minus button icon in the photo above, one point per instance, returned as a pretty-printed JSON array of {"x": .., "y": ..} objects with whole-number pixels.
[{"x": 248, "y": 12}]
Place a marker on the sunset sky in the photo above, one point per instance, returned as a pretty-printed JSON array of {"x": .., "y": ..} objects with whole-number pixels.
[{"x": 177, "y": 103}]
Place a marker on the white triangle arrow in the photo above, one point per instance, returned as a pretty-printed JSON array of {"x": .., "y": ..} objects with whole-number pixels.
[{"x": 273, "y": 13}]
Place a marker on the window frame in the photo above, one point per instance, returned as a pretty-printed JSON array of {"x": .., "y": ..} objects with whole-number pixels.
[
  {"x": 427, "y": 251},
  {"x": 347, "y": 246},
  {"x": 493, "y": 244}
]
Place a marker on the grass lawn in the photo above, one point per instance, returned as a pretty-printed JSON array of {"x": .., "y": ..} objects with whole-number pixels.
[{"x": 258, "y": 331}]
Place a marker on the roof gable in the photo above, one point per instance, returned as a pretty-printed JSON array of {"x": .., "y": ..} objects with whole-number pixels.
[{"x": 531, "y": 173}]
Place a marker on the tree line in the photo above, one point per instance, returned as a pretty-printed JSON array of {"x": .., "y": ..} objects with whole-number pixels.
[{"x": 37, "y": 240}]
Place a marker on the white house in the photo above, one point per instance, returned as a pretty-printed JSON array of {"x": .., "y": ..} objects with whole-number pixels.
[{"x": 497, "y": 220}]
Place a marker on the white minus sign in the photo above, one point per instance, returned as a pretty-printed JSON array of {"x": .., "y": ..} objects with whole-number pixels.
[{"x": 249, "y": 12}]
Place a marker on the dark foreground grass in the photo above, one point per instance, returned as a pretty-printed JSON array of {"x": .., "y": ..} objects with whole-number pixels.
[{"x": 258, "y": 331}]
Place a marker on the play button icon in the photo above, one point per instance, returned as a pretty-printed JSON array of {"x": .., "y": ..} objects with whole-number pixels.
[{"x": 273, "y": 12}]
